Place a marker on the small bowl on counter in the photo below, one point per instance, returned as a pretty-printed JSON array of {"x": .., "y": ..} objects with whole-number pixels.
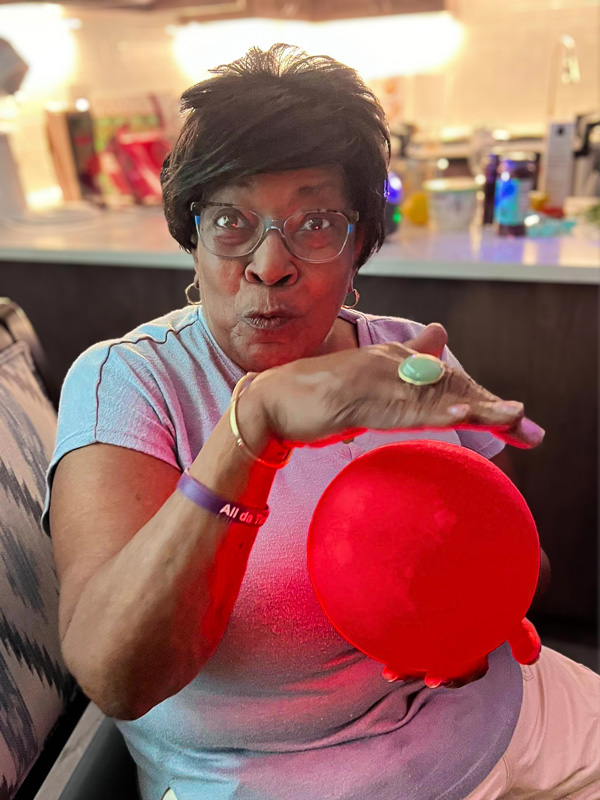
[{"x": 452, "y": 203}]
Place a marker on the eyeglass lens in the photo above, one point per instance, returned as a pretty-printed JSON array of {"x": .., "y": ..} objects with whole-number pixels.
[{"x": 313, "y": 236}]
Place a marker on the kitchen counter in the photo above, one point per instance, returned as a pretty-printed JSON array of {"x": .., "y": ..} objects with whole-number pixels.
[
  {"x": 135, "y": 237},
  {"x": 479, "y": 254}
]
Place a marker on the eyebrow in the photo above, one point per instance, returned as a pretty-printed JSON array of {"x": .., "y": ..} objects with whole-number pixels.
[
  {"x": 303, "y": 191},
  {"x": 312, "y": 189}
]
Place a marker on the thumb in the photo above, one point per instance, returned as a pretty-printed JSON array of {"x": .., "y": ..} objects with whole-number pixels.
[{"x": 431, "y": 340}]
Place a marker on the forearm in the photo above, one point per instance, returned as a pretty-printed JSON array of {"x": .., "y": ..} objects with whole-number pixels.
[{"x": 147, "y": 621}]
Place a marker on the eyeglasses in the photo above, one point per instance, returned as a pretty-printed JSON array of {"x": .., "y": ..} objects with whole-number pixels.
[{"x": 232, "y": 231}]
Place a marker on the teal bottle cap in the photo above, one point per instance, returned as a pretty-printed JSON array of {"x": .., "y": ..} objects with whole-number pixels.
[{"x": 421, "y": 369}]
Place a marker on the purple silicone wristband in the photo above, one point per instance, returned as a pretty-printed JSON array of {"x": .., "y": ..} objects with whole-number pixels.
[{"x": 204, "y": 497}]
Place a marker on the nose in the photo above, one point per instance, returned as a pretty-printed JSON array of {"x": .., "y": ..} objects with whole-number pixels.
[{"x": 272, "y": 263}]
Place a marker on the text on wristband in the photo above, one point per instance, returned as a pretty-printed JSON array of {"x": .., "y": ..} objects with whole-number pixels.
[{"x": 232, "y": 512}]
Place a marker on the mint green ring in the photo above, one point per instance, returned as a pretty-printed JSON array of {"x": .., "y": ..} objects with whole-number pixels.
[{"x": 421, "y": 369}]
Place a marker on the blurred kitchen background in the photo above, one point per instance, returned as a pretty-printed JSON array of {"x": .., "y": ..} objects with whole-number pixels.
[
  {"x": 452, "y": 77},
  {"x": 493, "y": 205}
]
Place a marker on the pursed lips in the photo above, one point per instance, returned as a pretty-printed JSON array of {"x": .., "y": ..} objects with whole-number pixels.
[{"x": 269, "y": 319}]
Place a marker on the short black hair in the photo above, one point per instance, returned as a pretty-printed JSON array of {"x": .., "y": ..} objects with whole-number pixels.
[{"x": 278, "y": 110}]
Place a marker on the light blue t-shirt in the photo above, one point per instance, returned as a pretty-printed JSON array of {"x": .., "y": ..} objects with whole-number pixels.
[{"x": 285, "y": 709}]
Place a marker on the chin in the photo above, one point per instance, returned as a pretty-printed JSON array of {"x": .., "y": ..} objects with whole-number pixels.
[
  {"x": 263, "y": 361},
  {"x": 259, "y": 358}
]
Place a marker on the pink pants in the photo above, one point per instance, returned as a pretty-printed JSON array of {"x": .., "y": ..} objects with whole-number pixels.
[{"x": 554, "y": 753}]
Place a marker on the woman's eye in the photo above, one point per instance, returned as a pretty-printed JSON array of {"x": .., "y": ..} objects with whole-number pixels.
[
  {"x": 230, "y": 220},
  {"x": 315, "y": 224}
]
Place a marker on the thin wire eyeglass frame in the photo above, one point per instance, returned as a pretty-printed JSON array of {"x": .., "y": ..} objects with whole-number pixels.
[{"x": 278, "y": 225}]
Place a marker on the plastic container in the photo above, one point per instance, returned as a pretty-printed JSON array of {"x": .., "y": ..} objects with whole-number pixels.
[
  {"x": 452, "y": 203},
  {"x": 516, "y": 179}
]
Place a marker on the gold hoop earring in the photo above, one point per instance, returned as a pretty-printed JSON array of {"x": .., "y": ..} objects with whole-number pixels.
[
  {"x": 191, "y": 302},
  {"x": 356, "y": 299}
]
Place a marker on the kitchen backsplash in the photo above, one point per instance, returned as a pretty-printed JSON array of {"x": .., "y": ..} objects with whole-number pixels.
[{"x": 499, "y": 77}]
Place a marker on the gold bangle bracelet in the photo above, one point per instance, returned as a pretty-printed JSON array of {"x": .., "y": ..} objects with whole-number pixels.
[{"x": 238, "y": 436}]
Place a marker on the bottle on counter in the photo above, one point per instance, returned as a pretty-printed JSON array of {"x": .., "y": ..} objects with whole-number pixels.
[
  {"x": 489, "y": 187},
  {"x": 515, "y": 180}
]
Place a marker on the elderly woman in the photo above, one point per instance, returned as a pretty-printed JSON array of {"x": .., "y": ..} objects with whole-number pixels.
[{"x": 201, "y": 633}]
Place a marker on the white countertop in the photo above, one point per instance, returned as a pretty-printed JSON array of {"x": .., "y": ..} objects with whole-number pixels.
[
  {"x": 479, "y": 254},
  {"x": 138, "y": 237}
]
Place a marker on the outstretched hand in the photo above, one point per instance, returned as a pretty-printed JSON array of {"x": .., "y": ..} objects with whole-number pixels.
[{"x": 322, "y": 400}]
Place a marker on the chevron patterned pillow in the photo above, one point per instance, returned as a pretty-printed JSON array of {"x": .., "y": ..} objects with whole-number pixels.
[{"x": 34, "y": 683}]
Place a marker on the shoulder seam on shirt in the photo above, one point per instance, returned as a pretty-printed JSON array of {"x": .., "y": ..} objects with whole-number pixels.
[
  {"x": 401, "y": 320},
  {"x": 123, "y": 340},
  {"x": 374, "y": 319},
  {"x": 393, "y": 319}
]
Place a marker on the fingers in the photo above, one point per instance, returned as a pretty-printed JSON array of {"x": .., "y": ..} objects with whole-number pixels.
[
  {"x": 458, "y": 401},
  {"x": 391, "y": 676},
  {"x": 452, "y": 401},
  {"x": 504, "y": 418},
  {"x": 449, "y": 416},
  {"x": 495, "y": 415},
  {"x": 525, "y": 434},
  {"x": 475, "y": 671},
  {"x": 506, "y": 421},
  {"x": 431, "y": 340}
]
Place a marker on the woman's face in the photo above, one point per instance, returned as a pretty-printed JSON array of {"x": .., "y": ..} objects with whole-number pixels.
[{"x": 302, "y": 299}]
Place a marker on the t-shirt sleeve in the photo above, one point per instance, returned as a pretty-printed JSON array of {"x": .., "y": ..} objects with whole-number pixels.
[
  {"x": 401, "y": 330},
  {"x": 111, "y": 395}
]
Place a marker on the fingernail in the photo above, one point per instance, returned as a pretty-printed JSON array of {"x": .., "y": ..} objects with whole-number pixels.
[
  {"x": 433, "y": 683},
  {"x": 459, "y": 410},
  {"x": 390, "y": 676},
  {"x": 532, "y": 430}
]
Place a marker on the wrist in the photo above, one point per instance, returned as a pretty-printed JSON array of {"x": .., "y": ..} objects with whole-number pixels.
[
  {"x": 228, "y": 510},
  {"x": 254, "y": 428}
]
